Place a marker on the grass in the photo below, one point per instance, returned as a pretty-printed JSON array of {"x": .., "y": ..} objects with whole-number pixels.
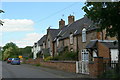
[{"x": 37, "y": 64}]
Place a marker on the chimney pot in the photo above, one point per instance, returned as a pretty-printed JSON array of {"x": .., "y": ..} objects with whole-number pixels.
[
  {"x": 71, "y": 19},
  {"x": 61, "y": 23}
]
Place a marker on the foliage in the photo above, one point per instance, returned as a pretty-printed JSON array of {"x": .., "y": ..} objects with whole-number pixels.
[
  {"x": 11, "y": 50},
  {"x": 1, "y": 22},
  {"x": 48, "y": 58},
  {"x": 105, "y": 15},
  {"x": 25, "y": 51},
  {"x": 66, "y": 56},
  {"x": 110, "y": 74},
  {"x": 37, "y": 64},
  {"x": 0, "y": 55}
]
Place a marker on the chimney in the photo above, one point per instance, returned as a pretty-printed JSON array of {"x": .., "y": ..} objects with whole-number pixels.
[
  {"x": 71, "y": 19},
  {"x": 61, "y": 23}
]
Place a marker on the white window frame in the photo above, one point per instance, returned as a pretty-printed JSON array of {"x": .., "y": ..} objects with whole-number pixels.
[
  {"x": 57, "y": 42},
  {"x": 48, "y": 43},
  {"x": 84, "y": 52},
  {"x": 43, "y": 44},
  {"x": 84, "y": 35},
  {"x": 71, "y": 38}
]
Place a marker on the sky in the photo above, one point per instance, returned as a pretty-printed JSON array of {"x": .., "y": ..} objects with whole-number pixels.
[{"x": 26, "y": 22}]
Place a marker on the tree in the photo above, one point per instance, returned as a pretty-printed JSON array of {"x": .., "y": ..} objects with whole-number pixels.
[
  {"x": 25, "y": 51},
  {"x": 105, "y": 15},
  {"x": 1, "y": 22},
  {"x": 10, "y": 50}
]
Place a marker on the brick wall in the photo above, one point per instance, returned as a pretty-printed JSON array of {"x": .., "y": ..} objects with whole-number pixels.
[
  {"x": 65, "y": 66},
  {"x": 96, "y": 67},
  {"x": 69, "y": 66},
  {"x": 103, "y": 52}
]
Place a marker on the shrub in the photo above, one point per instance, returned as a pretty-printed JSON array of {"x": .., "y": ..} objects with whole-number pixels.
[
  {"x": 48, "y": 58},
  {"x": 66, "y": 56},
  {"x": 37, "y": 64}
]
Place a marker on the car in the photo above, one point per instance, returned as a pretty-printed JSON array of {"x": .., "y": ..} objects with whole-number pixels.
[
  {"x": 15, "y": 61},
  {"x": 9, "y": 60}
]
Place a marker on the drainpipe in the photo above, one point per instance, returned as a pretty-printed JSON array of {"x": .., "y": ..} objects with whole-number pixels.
[{"x": 77, "y": 47}]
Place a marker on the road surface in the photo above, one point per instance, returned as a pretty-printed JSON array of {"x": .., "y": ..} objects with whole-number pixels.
[{"x": 30, "y": 71}]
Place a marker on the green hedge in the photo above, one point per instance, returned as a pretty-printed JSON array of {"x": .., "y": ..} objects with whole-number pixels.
[{"x": 66, "y": 56}]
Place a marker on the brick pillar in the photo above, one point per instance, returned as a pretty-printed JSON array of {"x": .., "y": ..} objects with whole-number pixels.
[{"x": 96, "y": 67}]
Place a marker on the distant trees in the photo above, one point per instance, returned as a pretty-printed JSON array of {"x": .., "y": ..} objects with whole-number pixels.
[{"x": 12, "y": 50}]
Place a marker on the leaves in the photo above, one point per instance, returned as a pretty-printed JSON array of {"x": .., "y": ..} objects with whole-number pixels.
[
  {"x": 1, "y": 11},
  {"x": 1, "y": 22},
  {"x": 104, "y": 14}
]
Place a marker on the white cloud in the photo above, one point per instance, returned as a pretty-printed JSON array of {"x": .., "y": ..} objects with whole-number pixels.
[
  {"x": 12, "y": 25},
  {"x": 28, "y": 40}
]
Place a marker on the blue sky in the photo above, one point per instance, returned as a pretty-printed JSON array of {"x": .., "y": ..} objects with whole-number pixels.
[{"x": 31, "y": 19}]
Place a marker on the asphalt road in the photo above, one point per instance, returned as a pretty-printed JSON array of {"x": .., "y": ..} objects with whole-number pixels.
[
  {"x": 25, "y": 71},
  {"x": 30, "y": 71}
]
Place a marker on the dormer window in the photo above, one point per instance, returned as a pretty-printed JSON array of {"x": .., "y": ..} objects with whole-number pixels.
[
  {"x": 84, "y": 35},
  {"x": 71, "y": 38},
  {"x": 43, "y": 44},
  {"x": 57, "y": 42},
  {"x": 48, "y": 43}
]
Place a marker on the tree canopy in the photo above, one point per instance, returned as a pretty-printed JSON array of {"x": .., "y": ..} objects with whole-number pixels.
[{"x": 105, "y": 15}]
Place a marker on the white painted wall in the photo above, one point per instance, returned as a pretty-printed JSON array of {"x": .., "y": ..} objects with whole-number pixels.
[
  {"x": 35, "y": 50},
  {"x": 114, "y": 54}
]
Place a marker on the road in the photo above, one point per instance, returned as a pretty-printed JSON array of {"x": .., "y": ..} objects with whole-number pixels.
[{"x": 30, "y": 71}]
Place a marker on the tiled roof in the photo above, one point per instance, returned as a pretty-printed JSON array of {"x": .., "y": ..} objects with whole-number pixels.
[
  {"x": 76, "y": 27},
  {"x": 110, "y": 45},
  {"x": 91, "y": 44},
  {"x": 40, "y": 42},
  {"x": 53, "y": 33}
]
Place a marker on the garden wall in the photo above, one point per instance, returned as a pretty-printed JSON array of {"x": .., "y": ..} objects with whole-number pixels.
[{"x": 69, "y": 66}]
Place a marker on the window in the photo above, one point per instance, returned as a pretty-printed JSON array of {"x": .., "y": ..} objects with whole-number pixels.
[
  {"x": 85, "y": 55},
  {"x": 48, "y": 43},
  {"x": 84, "y": 35},
  {"x": 43, "y": 44},
  {"x": 71, "y": 38},
  {"x": 57, "y": 42}
]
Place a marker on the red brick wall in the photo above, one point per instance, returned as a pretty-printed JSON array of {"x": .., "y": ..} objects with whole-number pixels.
[
  {"x": 68, "y": 66},
  {"x": 103, "y": 51},
  {"x": 96, "y": 67}
]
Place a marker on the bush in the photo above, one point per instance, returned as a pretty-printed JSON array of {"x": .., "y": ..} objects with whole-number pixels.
[
  {"x": 110, "y": 74},
  {"x": 48, "y": 58},
  {"x": 66, "y": 56},
  {"x": 37, "y": 64}
]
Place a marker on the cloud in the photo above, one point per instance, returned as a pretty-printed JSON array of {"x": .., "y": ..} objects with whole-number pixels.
[
  {"x": 12, "y": 25},
  {"x": 28, "y": 40}
]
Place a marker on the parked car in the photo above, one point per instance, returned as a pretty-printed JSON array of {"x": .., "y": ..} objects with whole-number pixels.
[
  {"x": 9, "y": 60},
  {"x": 15, "y": 61}
]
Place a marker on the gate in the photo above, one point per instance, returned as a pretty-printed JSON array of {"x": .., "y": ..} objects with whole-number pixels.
[{"x": 83, "y": 65}]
